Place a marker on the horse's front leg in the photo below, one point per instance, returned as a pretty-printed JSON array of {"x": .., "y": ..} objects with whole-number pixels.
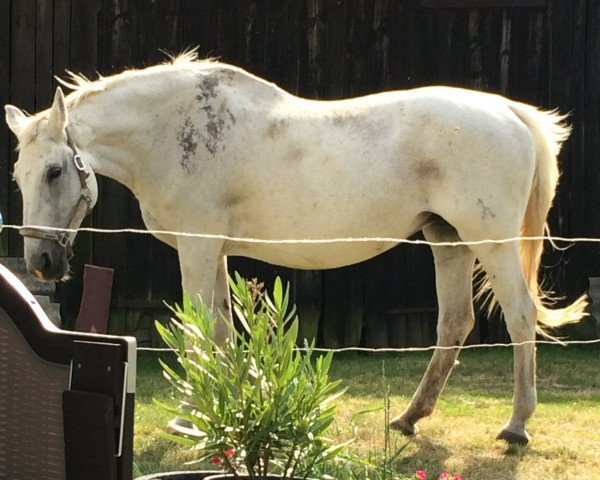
[
  {"x": 204, "y": 273},
  {"x": 454, "y": 273}
]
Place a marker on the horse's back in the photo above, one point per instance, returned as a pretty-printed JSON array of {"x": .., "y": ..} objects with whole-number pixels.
[{"x": 390, "y": 152}]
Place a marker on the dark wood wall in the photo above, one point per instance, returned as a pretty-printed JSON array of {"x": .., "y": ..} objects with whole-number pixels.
[{"x": 545, "y": 52}]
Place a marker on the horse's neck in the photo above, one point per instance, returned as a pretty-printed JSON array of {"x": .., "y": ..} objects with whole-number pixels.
[
  {"x": 119, "y": 128},
  {"x": 113, "y": 132}
]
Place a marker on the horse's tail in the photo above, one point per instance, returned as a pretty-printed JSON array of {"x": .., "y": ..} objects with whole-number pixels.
[{"x": 549, "y": 131}]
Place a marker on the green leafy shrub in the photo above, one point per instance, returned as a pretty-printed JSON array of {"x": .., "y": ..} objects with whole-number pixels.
[{"x": 258, "y": 404}]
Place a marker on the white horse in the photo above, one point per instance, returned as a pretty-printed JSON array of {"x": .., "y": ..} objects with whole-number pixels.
[{"x": 207, "y": 147}]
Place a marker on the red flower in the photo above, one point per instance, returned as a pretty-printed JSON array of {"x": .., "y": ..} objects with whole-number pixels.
[
  {"x": 449, "y": 476},
  {"x": 215, "y": 460},
  {"x": 421, "y": 475},
  {"x": 229, "y": 453}
]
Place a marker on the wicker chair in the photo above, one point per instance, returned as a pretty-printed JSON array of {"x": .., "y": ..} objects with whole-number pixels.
[{"x": 66, "y": 398}]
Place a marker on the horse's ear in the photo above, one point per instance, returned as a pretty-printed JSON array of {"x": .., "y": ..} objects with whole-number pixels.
[
  {"x": 58, "y": 118},
  {"x": 15, "y": 119}
]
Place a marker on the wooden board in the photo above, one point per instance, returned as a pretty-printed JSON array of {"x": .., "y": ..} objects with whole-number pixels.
[{"x": 541, "y": 51}]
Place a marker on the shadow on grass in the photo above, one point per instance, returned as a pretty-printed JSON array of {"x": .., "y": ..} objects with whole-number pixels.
[
  {"x": 429, "y": 456},
  {"x": 432, "y": 456},
  {"x": 505, "y": 467}
]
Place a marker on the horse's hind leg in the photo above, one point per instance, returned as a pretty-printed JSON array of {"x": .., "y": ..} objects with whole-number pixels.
[
  {"x": 454, "y": 282},
  {"x": 503, "y": 267}
]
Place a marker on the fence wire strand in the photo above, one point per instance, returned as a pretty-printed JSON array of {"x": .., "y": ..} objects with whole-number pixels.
[
  {"x": 398, "y": 240},
  {"x": 561, "y": 343}
]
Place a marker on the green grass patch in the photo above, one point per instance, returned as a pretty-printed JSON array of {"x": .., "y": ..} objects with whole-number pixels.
[{"x": 458, "y": 437}]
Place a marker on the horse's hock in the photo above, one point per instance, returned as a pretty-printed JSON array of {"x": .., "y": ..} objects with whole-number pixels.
[{"x": 42, "y": 291}]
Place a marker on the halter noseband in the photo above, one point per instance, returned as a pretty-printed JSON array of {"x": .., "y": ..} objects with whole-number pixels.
[{"x": 84, "y": 206}]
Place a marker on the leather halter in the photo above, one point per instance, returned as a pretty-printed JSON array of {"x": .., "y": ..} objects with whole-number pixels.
[{"x": 84, "y": 206}]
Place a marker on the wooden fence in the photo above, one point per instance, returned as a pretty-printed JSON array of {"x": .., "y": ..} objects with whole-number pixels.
[{"x": 546, "y": 52}]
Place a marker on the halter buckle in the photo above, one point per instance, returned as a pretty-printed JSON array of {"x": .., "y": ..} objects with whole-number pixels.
[
  {"x": 79, "y": 162},
  {"x": 63, "y": 239}
]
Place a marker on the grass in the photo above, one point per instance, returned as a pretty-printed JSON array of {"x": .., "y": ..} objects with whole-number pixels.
[{"x": 459, "y": 436}]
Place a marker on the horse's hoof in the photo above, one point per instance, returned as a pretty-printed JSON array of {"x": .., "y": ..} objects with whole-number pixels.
[
  {"x": 181, "y": 426},
  {"x": 404, "y": 427},
  {"x": 513, "y": 438}
]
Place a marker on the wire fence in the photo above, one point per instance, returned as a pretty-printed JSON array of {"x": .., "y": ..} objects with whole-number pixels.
[
  {"x": 423, "y": 349},
  {"x": 397, "y": 240}
]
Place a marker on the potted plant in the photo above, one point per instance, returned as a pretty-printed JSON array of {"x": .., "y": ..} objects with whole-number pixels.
[{"x": 259, "y": 405}]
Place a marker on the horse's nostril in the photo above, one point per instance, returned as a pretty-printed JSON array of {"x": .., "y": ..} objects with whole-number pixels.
[{"x": 46, "y": 262}]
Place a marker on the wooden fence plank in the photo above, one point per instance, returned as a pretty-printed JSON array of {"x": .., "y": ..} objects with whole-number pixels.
[
  {"x": 403, "y": 43},
  {"x": 308, "y": 297},
  {"x": 248, "y": 31},
  {"x": 22, "y": 91},
  {"x": 452, "y": 46},
  {"x": 341, "y": 321},
  {"x": 227, "y": 36},
  {"x": 44, "y": 32},
  {"x": 198, "y": 25},
  {"x": 84, "y": 25},
  {"x": 295, "y": 19},
  {"x": 491, "y": 49},
  {"x": 5, "y": 142},
  {"x": 383, "y": 279},
  {"x": 276, "y": 59},
  {"x": 592, "y": 134},
  {"x": 335, "y": 49},
  {"x": 358, "y": 43},
  {"x": 61, "y": 58},
  {"x": 577, "y": 172}
]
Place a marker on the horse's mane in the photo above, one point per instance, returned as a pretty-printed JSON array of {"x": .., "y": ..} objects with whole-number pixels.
[{"x": 82, "y": 87}]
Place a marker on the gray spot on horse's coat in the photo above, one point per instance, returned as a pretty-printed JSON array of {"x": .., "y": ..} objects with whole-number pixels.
[
  {"x": 485, "y": 210},
  {"x": 217, "y": 123},
  {"x": 230, "y": 200},
  {"x": 337, "y": 120},
  {"x": 188, "y": 137},
  {"x": 231, "y": 117},
  {"x": 214, "y": 128},
  {"x": 207, "y": 85},
  {"x": 276, "y": 127},
  {"x": 225, "y": 75},
  {"x": 217, "y": 120},
  {"x": 428, "y": 170},
  {"x": 349, "y": 120},
  {"x": 295, "y": 154}
]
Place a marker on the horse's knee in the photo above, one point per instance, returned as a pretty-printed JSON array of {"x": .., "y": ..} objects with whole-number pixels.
[{"x": 453, "y": 327}]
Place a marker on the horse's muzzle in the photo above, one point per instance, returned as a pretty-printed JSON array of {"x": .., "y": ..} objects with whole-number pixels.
[{"x": 50, "y": 265}]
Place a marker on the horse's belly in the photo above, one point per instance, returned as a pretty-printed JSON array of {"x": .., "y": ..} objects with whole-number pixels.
[{"x": 307, "y": 256}]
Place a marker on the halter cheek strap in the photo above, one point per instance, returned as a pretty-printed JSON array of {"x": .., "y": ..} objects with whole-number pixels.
[{"x": 84, "y": 206}]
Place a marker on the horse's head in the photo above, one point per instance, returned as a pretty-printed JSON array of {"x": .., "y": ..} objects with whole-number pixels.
[{"x": 58, "y": 187}]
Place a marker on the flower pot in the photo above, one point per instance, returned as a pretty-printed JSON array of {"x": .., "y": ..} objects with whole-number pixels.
[
  {"x": 197, "y": 475},
  {"x": 231, "y": 476}
]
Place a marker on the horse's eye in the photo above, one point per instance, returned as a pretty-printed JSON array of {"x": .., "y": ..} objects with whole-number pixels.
[{"x": 53, "y": 173}]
